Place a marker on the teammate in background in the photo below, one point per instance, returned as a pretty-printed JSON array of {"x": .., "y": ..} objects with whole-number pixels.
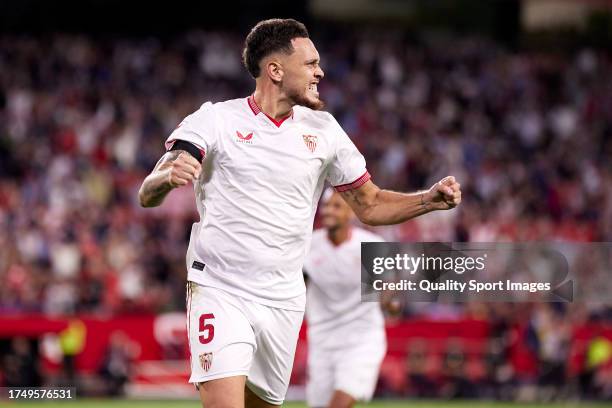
[
  {"x": 346, "y": 337},
  {"x": 266, "y": 158}
]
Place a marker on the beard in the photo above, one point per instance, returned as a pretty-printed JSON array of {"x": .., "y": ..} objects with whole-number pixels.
[
  {"x": 300, "y": 98},
  {"x": 332, "y": 225}
]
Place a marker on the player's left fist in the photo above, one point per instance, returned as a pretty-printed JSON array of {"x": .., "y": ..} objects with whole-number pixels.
[{"x": 443, "y": 195}]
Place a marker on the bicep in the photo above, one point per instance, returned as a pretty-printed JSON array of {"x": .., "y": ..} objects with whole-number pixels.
[
  {"x": 362, "y": 197},
  {"x": 197, "y": 128}
]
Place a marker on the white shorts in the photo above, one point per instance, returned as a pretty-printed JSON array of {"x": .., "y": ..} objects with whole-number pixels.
[
  {"x": 231, "y": 336},
  {"x": 353, "y": 370}
]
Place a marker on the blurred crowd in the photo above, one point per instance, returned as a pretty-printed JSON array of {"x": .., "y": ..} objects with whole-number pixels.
[
  {"x": 83, "y": 120},
  {"x": 532, "y": 352}
]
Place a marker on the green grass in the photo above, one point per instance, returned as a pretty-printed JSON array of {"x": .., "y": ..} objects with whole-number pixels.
[{"x": 95, "y": 403}]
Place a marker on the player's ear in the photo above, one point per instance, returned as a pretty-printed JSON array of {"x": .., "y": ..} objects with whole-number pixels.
[{"x": 274, "y": 70}]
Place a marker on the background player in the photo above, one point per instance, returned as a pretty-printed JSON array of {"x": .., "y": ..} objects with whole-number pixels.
[
  {"x": 268, "y": 157},
  {"x": 346, "y": 337}
]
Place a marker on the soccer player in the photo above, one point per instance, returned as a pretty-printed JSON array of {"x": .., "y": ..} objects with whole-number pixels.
[
  {"x": 265, "y": 159},
  {"x": 346, "y": 338}
]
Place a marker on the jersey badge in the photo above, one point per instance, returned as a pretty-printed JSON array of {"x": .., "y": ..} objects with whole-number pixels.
[
  {"x": 206, "y": 361},
  {"x": 311, "y": 142}
]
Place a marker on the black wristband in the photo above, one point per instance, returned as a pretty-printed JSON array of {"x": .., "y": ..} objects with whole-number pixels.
[{"x": 189, "y": 148}]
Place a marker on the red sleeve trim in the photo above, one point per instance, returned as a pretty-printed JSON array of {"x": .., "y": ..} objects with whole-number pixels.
[{"x": 355, "y": 184}]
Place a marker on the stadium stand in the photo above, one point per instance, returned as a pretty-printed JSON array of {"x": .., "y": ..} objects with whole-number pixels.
[{"x": 528, "y": 134}]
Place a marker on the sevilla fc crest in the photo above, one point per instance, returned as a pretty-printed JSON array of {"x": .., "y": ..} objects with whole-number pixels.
[
  {"x": 206, "y": 361},
  {"x": 311, "y": 142}
]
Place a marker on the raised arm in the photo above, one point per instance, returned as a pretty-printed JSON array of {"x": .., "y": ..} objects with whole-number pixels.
[
  {"x": 175, "y": 168},
  {"x": 374, "y": 206}
]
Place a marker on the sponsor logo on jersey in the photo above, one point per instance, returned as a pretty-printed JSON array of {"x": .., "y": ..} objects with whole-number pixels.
[
  {"x": 206, "y": 361},
  {"x": 311, "y": 142},
  {"x": 246, "y": 139}
]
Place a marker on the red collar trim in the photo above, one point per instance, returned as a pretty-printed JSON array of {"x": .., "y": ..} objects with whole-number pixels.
[
  {"x": 256, "y": 110},
  {"x": 253, "y": 105}
]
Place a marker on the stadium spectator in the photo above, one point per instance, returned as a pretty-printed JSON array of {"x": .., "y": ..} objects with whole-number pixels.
[
  {"x": 116, "y": 368},
  {"x": 20, "y": 365}
]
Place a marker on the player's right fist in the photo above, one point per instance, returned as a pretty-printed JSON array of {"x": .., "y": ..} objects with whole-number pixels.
[{"x": 182, "y": 169}]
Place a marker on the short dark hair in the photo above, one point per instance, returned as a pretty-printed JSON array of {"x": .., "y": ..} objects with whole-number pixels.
[{"x": 267, "y": 37}]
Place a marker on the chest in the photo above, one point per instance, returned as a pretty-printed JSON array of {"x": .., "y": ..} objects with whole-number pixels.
[{"x": 291, "y": 154}]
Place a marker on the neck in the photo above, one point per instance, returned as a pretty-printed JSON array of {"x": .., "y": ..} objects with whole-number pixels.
[
  {"x": 339, "y": 235},
  {"x": 272, "y": 101}
]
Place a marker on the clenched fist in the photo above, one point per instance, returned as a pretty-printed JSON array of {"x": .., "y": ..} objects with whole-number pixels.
[
  {"x": 176, "y": 168},
  {"x": 443, "y": 195},
  {"x": 181, "y": 168}
]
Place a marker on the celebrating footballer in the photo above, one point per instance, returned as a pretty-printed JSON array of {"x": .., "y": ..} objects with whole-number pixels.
[{"x": 266, "y": 159}]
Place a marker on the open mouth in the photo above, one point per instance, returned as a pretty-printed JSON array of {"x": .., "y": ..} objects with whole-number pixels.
[{"x": 313, "y": 87}]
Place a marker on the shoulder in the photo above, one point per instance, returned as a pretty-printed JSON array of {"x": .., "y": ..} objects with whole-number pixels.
[
  {"x": 362, "y": 235},
  {"x": 210, "y": 112},
  {"x": 204, "y": 113},
  {"x": 231, "y": 105},
  {"x": 318, "y": 119},
  {"x": 223, "y": 106}
]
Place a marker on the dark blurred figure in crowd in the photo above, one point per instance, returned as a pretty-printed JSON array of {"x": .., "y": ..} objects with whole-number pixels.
[
  {"x": 499, "y": 371},
  {"x": 116, "y": 368},
  {"x": 551, "y": 339},
  {"x": 456, "y": 381},
  {"x": 498, "y": 378},
  {"x": 20, "y": 364},
  {"x": 422, "y": 369}
]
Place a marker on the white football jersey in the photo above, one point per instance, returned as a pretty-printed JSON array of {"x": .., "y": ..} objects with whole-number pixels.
[
  {"x": 335, "y": 313},
  {"x": 257, "y": 195}
]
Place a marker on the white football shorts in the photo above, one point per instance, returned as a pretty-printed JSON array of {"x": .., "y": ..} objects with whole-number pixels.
[
  {"x": 231, "y": 336},
  {"x": 353, "y": 370}
]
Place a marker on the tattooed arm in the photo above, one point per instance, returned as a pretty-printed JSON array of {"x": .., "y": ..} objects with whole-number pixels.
[
  {"x": 374, "y": 206},
  {"x": 176, "y": 168}
]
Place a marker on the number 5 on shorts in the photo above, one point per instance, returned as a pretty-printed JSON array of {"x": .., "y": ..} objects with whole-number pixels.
[{"x": 208, "y": 328}]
